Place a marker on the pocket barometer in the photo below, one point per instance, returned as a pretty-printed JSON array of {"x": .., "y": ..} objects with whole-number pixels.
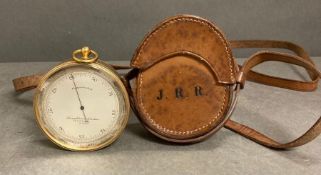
[{"x": 82, "y": 104}]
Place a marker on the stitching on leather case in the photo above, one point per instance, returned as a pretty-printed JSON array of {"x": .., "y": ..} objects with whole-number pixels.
[
  {"x": 166, "y": 130},
  {"x": 192, "y": 20}
]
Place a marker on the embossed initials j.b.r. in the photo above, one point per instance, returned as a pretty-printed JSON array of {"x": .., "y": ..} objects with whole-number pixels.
[{"x": 179, "y": 93}]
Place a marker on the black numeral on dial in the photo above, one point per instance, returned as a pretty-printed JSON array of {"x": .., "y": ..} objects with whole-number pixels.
[
  {"x": 102, "y": 131},
  {"x": 71, "y": 77},
  {"x": 50, "y": 110},
  {"x": 61, "y": 129}
]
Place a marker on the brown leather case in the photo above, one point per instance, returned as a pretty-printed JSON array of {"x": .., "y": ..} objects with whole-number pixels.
[
  {"x": 184, "y": 88},
  {"x": 187, "y": 80}
]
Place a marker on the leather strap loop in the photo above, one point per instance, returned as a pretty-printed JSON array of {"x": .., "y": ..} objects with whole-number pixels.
[
  {"x": 245, "y": 44},
  {"x": 276, "y": 81},
  {"x": 259, "y": 58}
]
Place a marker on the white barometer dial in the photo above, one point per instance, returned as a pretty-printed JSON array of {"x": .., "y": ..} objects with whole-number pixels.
[{"x": 82, "y": 106}]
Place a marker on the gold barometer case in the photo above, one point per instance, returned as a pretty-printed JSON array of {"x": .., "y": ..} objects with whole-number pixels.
[{"x": 82, "y": 104}]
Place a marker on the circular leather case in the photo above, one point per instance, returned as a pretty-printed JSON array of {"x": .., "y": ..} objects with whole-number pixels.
[{"x": 186, "y": 79}]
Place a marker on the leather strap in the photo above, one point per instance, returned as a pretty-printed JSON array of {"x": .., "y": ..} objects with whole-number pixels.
[
  {"x": 259, "y": 58},
  {"x": 29, "y": 82},
  {"x": 276, "y": 81},
  {"x": 26, "y": 83}
]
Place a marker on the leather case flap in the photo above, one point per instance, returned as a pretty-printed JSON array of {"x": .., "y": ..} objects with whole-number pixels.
[{"x": 192, "y": 34}]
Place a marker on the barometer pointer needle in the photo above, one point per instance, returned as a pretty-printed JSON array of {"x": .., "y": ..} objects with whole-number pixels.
[{"x": 81, "y": 105}]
